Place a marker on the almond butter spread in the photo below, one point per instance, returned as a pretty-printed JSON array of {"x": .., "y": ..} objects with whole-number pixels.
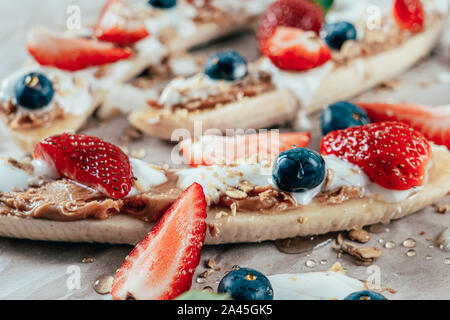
[
  {"x": 376, "y": 40},
  {"x": 18, "y": 118},
  {"x": 255, "y": 83},
  {"x": 64, "y": 200}
]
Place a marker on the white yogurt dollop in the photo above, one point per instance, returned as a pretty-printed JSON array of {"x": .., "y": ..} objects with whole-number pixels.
[
  {"x": 198, "y": 86},
  {"x": 327, "y": 285},
  {"x": 216, "y": 179},
  {"x": 303, "y": 84},
  {"x": 71, "y": 90},
  {"x": 16, "y": 179}
]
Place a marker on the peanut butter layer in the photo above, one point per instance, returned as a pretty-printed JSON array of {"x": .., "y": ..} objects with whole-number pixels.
[
  {"x": 377, "y": 39},
  {"x": 255, "y": 83},
  {"x": 20, "y": 119},
  {"x": 64, "y": 200}
]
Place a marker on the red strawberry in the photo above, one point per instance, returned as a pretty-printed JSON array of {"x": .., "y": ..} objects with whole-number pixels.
[
  {"x": 432, "y": 122},
  {"x": 409, "y": 15},
  {"x": 161, "y": 266},
  {"x": 211, "y": 150},
  {"x": 392, "y": 154},
  {"x": 115, "y": 26},
  {"x": 88, "y": 160},
  {"x": 301, "y": 14},
  {"x": 294, "y": 49},
  {"x": 69, "y": 53}
]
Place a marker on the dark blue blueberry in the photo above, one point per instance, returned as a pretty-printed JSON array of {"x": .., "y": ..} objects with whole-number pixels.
[
  {"x": 365, "y": 295},
  {"x": 226, "y": 65},
  {"x": 163, "y": 4},
  {"x": 342, "y": 115},
  {"x": 246, "y": 284},
  {"x": 34, "y": 91},
  {"x": 298, "y": 169},
  {"x": 338, "y": 32}
]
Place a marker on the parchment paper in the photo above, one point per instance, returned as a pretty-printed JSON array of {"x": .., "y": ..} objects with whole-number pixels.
[{"x": 46, "y": 270}]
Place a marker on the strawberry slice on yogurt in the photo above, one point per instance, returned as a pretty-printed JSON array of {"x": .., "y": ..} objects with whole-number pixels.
[
  {"x": 70, "y": 53},
  {"x": 294, "y": 49},
  {"x": 118, "y": 25},
  {"x": 89, "y": 161}
]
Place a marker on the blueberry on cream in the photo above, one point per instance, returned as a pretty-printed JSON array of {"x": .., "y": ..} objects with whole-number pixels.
[
  {"x": 33, "y": 91},
  {"x": 163, "y": 4},
  {"x": 339, "y": 32},
  {"x": 365, "y": 295},
  {"x": 342, "y": 115},
  {"x": 298, "y": 170},
  {"x": 246, "y": 284},
  {"x": 226, "y": 65}
]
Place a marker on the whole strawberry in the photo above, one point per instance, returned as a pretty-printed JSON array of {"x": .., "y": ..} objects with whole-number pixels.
[
  {"x": 88, "y": 160},
  {"x": 392, "y": 154}
]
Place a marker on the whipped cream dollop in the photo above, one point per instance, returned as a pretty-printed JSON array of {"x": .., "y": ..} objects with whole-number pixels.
[
  {"x": 199, "y": 86},
  {"x": 327, "y": 285},
  {"x": 20, "y": 176},
  {"x": 147, "y": 176},
  {"x": 303, "y": 84},
  {"x": 72, "y": 92},
  {"x": 14, "y": 178}
]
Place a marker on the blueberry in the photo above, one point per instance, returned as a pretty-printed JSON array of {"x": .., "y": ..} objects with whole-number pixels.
[
  {"x": 342, "y": 115},
  {"x": 163, "y": 4},
  {"x": 298, "y": 170},
  {"x": 246, "y": 284},
  {"x": 365, "y": 295},
  {"x": 34, "y": 91},
  {"x": 226, "y": 65},
  {"x": 338, "y": 32}
]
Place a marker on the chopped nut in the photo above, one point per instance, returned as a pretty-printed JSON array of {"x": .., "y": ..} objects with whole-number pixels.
[
  {"x": 246, "y": 186},
  {"x": 213, "y": 230},
  {"x": 88, "y": 259},
  {"x": 301, "y": 220},
  {"x": 236, "y": 194},
  {"x": 206, "y": 273},
  {"x": 131, "y": 134},
  {"x": 140, "y": 186},
  {"x": 359, "y": 235},
  {"x": 362, "y": 256},
  {"x": 221, "y": 214},
  {"x": 210, "y": 263},
  {"x": 329, "y": 178},
  {"x": 233, "y": 208},
  {"x": 444, "y": 208},
  {"x": 339, "y": 239},
  {"x": 138, "y": 153}
]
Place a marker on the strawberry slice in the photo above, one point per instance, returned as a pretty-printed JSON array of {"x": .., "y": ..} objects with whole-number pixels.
[
  {"x": 161, "y": 266},
  {"x": 432, "y": 122},
  {"x": 294, "y": 49},
  {"x": 68, "y": 53},
  {"x": 88, "y": 160},
  {"x": 409, "y": 15},
  {"x": 116, "y": 24},
  {"x": 300, "y": 14},
  {"x": 209, "y": 150},
  {"x": 392, "y": 154}
]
